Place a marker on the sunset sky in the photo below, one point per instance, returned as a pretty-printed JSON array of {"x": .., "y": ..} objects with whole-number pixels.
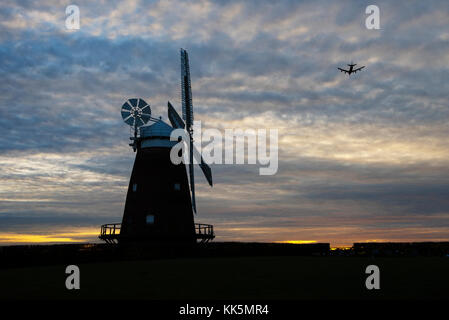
[{"x": 361, "y": 158}]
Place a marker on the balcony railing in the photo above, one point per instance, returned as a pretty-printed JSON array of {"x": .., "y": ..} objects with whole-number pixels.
[
  {"x": 204, "y": 232},
  {"x": 111, "y": 232}
]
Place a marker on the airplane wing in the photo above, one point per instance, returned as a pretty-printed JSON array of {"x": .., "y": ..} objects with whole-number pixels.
[
  {"x": 358, "y": 69},
  {"x": 343, "y": 70}
]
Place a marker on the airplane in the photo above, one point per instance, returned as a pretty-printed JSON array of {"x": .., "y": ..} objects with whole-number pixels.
[{"x": 351, "y": 69}]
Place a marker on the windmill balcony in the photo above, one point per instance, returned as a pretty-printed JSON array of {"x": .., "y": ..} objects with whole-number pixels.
[
  {"x": 204, "y": 232},
  {"x": 110, "y": 233}
]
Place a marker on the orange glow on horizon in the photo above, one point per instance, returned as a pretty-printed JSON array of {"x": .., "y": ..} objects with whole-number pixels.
[
  {"x": 297, "y": 241},
  {"x": 82, "y": 235}
]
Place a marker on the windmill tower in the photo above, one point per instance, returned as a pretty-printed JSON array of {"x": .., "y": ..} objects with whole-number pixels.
[{"x": 161, "y": 196}]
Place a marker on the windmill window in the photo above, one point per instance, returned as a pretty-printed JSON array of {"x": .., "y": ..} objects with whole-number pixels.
[
  {"x": 150, "y": 219},
  {"x": 177, "y": 186},
  {"x": 134, "y": 187}
]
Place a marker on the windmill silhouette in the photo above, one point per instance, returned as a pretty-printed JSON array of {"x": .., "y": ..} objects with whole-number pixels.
[{"x": 159, "y": 204}]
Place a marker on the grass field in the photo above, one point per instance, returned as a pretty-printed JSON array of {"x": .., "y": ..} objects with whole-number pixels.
[{"x": 284, "y": 277}]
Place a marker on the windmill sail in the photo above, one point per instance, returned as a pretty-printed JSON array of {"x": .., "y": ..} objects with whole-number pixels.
[
  {"x": 174, "y": 117},
  {"x": 177, "y": 123},
  {"x": 187, "y": 108},
  {"x": 187, "y": 114},
  {"x": 192, "y": 179},
  {"x": 203, "y": 165}
]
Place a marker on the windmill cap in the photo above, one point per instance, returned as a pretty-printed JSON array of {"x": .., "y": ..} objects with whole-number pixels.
[{"x": 157, "y": 129}]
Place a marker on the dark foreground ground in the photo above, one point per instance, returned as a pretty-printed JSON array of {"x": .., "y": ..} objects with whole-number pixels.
[{"x": 234, "y": 278}]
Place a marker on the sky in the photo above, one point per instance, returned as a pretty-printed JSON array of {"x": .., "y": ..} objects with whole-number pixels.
[{"x": 361, "y": 158}]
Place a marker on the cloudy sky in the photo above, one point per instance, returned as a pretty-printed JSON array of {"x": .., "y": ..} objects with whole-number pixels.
[{"x": 361, "y": 158}]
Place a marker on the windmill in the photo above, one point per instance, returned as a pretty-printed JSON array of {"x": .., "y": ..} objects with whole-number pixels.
[{"x": 161, "y": 197}]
